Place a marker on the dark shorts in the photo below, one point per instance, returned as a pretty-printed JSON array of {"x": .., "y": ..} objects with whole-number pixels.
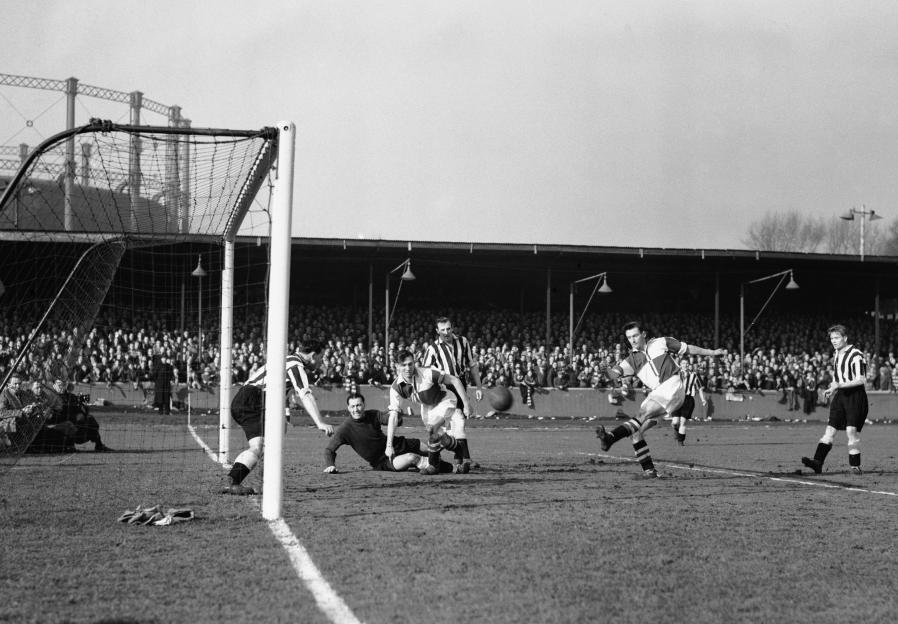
[
  {"x": 401, "y": 446},
  {"x": 247, "y": 408},
  {"x": 848, "y": 409},
  {"x": 686, "y": 409}
]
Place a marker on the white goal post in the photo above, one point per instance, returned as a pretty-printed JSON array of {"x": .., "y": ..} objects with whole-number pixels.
[{"x": 278, "y": 304}]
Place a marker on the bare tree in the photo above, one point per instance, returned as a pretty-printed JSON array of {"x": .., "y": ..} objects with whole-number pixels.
[
  {"x": 793, "y": 231},
  {"x": 786, "y": 231}
]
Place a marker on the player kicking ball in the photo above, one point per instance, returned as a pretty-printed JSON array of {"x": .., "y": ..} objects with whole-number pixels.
[
  {"x": 362, "y": 431},
  {"x": 652, "y": 361}
]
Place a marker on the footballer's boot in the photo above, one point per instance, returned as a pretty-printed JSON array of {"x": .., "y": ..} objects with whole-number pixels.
[
  {"x": 237, "y": 489},
  {"x": 855, "y": 470},
  {"x": 813, "y": 464},
  {"x": 605, "y": 438},
  {"x": 430, "y": 470},
  {"x": 651, "y": 473}
]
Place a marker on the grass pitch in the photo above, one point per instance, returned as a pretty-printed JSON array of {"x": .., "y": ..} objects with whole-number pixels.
[{"x": 550, "y": 529}]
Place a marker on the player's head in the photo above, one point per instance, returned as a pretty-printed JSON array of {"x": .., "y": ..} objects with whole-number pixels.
[
  {"x": 634, "y": 334},
  {"x": 405, "y": 364},
  {"x": 444, "y": 328},
  {"x": 310, "y": 347},
  {"x": 60, "y": 385},
  {"x": 355, "y": 403},
  {"x": 838, "y": 336}
]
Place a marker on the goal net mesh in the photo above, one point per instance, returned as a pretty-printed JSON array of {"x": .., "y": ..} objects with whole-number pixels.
[{"x": 110, "y": 279}]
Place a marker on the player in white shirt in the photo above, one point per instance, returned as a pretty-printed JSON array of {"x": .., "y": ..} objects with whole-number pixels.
[
  {"x": 653, "y": 363},
  {"x": 439, "y": 407}
]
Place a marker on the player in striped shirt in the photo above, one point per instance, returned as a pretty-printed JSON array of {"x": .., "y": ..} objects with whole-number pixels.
[
  {"x": 848, "y": 409},
  {"x": 652, "y": 361},
  {"x": 248, "y": 409},
  {"x": 692, "y": 387},
  {"x": 452, "y": 355}
]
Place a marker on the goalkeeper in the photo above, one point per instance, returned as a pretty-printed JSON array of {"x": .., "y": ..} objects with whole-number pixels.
[
  {"x": 248, "y": 408},
  {"x": 362, "y": 431}
]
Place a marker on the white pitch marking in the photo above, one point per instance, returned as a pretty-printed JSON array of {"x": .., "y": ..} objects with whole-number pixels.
[
  {"x": 328, "y": 601},
  {"x": 734, "y": 473}
]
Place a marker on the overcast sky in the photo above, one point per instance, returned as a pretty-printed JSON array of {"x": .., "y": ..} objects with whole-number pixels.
[{"x": 663, "y": 124}]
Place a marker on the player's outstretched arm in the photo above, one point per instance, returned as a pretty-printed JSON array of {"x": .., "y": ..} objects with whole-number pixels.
[
  {"x": 694, "y": 350},
  {"x": 475, "y": 376},
  {"x": 311, "y": 405},
  {"x": 392, "y": 421}
]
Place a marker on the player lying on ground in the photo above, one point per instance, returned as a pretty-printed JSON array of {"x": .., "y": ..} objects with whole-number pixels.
[
  {"x": 362, "y": 431},
  {"x": 439, "y": 411},
  {"x": 653, "y": 363},
  {"x": 248, "y": 411}
]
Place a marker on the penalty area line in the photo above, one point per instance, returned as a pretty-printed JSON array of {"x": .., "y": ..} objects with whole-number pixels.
[
  {"x": 735, "y": 473},
  {"x": 328, "y": 601}
]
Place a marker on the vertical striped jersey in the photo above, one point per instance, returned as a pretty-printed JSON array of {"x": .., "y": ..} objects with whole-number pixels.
[
  {"x": 454, "y": 357},
  {"x": 655, "y": 364},
  {"x": 294, "y": 369},
  {"x": 692, "y": 383},
  {"x": 850, "y": 364}
]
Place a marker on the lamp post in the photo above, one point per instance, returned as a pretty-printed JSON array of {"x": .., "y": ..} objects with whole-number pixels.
[
  {"x": 199, "y": 273},
  {"x": 864, "y": 214},
  {"x": 602, "y": 287},
  {"x": 791, "y": 285},
  {"x": 407, "y": 276}
]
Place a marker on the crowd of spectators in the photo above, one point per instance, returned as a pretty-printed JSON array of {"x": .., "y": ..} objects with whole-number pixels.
[{"x": 790, "y": 356}]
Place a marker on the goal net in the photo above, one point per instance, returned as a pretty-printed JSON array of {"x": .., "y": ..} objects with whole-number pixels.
[{"x": 113, "y": 243}]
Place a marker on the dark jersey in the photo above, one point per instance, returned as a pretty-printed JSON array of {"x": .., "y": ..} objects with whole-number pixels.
[{"x": 365, "y": 436}]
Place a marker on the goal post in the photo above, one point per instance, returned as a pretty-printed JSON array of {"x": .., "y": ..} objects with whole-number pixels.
[{"x": 278, "y": 313}]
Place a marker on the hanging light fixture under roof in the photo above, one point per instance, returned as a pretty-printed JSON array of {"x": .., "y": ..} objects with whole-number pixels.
[{"x": 199, "y": 271}]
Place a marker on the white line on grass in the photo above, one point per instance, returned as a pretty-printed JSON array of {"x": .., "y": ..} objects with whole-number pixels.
[
  {"x": 328, "y": 601},
  {"x": 734, "y": 473}
]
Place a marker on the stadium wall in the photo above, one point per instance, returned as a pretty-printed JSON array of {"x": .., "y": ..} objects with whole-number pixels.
[{"x": 572, "y": 403}]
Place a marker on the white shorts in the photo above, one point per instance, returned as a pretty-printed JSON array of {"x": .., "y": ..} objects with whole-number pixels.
[
  {"x": 445, "y": 416},
  {"x": 669, "y": 394}
]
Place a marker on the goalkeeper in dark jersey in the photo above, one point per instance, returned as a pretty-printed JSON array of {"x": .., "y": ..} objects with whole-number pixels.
[
  {"x": 363, "y": 432},
  {"x": 248, "y": 411}
]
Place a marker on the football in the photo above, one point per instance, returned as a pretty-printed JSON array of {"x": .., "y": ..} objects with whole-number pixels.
[{"x": 499, "y": 398}]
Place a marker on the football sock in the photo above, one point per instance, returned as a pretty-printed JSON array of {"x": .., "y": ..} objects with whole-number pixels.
[
  {"x": 450, "y": 444},
  {"x": 238, "y": 473},
  {"x": 643, "y": 455},
  {"x": 465, "y": 454},
  {"x": 433, "y": 458},
  {"x": 854, "y": 459},
  {"x": 625, "y": 430},
  {"x": 822, "y": 450}
]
